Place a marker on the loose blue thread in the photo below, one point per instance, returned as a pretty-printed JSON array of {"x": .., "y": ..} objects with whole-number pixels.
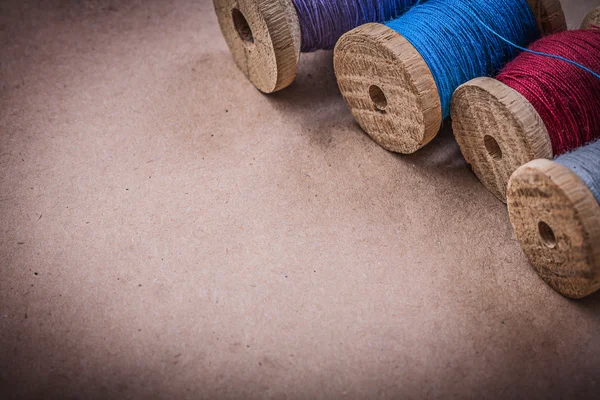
[
  {"x": 465, "y": 39},
  {"x": 585, "y": 163},
  {"x": 539, "y": 53},
  {"x": 322, "y": 22}
]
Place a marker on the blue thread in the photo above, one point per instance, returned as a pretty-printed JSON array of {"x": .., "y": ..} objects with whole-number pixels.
[
  {"x": 456, "y": 47},
  {"x": 322, "y": 22},
  {"x": 585, "y": 163}
]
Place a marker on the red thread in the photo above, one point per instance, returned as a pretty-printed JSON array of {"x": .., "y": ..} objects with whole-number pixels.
[{"x": 566, "y": 97}]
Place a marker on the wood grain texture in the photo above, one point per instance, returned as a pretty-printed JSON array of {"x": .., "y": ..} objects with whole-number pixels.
[
  {"x": 264, "y": 38},
  {"x": 549, "y": 16},
  {"x": 409, "y": 114},
  {"x": 557, "y": 221},
  {"x": 389, "y": 87},
  {"x": 592, "y": 19},
  {"x": 497, "y": 130}
]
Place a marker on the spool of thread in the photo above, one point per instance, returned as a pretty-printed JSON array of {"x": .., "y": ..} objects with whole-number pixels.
[
  {"x": 555, "y": 211},
  {"x": 537, "y": 107},
  {"x": 267, "y": 36},
  {"x": 398, "y": 85},
  {"x": 592, "y": 20}
]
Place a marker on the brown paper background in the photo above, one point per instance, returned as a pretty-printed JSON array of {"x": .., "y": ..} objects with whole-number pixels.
[{"x": 168, "y": 231}]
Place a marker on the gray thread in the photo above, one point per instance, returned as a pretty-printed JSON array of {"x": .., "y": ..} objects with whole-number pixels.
[{"x": 585, "y": 163}]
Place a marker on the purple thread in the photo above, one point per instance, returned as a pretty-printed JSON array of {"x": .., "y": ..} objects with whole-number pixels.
[{"x": 322, "y": 22}]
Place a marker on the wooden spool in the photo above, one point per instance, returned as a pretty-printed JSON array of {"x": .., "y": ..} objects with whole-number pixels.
[
  {"x": 497, "y": 130},
  {"x": 264, "y": 38},
  {"x": 557, "y": 221},
  {"x": 592, "y": 19},
  {"x": 389, "y": 87}
]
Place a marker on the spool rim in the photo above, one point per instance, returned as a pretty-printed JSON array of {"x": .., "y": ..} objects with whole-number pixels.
[
  {"x": 485, "y": 110},
  {"x": 591, "y": 19},
  {"x": 264, "y": 39},
  {"x": 557, "y": 222}
]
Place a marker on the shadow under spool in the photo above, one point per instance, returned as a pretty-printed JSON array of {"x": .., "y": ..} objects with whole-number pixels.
[
  {"x": 389, "y": 87},
  {"x": 557, "y": 221},
  {"x": 264, "y": 38},
  {"x": 592, "y": 19}
]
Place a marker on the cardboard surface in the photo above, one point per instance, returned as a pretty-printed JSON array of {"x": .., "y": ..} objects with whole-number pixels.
[{"x": 168, "y": 231}]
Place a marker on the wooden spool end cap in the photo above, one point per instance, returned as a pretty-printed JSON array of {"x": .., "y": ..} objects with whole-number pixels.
[
  {"x": 592, "y": 19},
  {"x": 549, "y": 16},
  {"x": 497, "y": 131},
  {"x": 557, "y": 222},
  {"x": 388, "y": 87},
  {"x": 264, "y": 38}
]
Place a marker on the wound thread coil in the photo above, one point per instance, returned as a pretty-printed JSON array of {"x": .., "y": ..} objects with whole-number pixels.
[{"x": 323, "y": 22}]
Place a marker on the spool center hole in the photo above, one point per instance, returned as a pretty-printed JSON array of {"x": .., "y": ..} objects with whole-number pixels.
[
  {"x": 378, "y": 98},
  {"x": 547, "y": 235},
  {"x": 242, "y": 27},
  {"x": 492, "y": 147}
]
